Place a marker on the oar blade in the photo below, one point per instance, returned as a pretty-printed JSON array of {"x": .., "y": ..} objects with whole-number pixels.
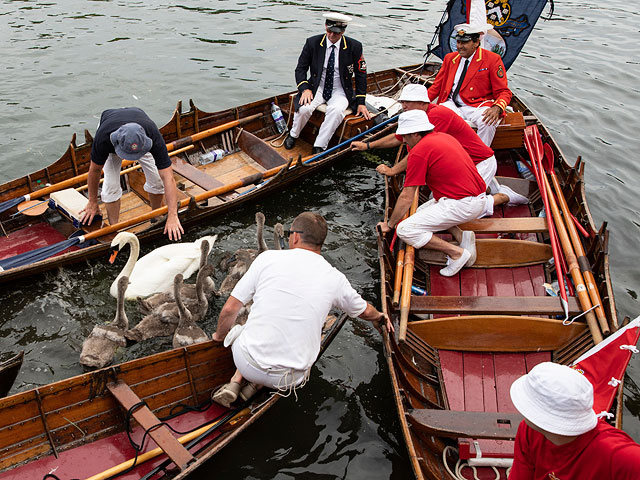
[
  {"x": 548, "y": 159},
  {"x": 38, "y": 254}
]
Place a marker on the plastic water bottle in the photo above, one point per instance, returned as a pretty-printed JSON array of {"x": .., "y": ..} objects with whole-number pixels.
[
  {"x": 212, "y": 156},
  {"x": 418, "y": 291},
  {"x": 524, "y": 171},
  {"x": 276, "y": 113}
]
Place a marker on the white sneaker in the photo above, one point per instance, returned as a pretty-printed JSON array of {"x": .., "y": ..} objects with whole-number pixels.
[
  {"x": 454, "y": 266},
  {"x": 468, "y": 242},
  {"x": 514, "y": 198}
]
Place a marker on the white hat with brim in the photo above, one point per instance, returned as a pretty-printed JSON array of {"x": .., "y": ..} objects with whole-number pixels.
[
  {"x": 555, "y": 398},
  {"x": 414, "y": 92},
  {"x": 462, "y": 31},
  {"x": 336, "y": 22},
  {"x": 413, "y": 121}
]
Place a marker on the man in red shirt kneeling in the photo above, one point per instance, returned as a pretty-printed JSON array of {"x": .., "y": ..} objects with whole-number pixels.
[
  {"x": 561, "y": 437},
  {"x": 438, "y": 161}
]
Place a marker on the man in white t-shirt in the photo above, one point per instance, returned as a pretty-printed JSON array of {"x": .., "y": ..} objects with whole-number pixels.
[{"x": 292, "y": 291}]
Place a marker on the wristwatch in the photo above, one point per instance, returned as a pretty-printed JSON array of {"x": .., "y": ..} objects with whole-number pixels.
[{"x": 368, "y": 145}]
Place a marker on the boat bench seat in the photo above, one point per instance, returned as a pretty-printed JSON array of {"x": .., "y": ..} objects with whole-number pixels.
[
  {"x": 194, "y": 175},
  {"x": 492, "y": 305},
  {"x": 507, "y": 225},
  {"x": 323, "y": 109},
  {"x": 452, "y": 424},
  {"x": 478, "y": 383},
  {"x": 510, "y": 131},
  {"x": 147, "y": 420}
]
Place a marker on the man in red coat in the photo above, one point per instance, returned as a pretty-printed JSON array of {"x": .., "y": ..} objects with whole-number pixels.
[{"x": 473, "y": 82}]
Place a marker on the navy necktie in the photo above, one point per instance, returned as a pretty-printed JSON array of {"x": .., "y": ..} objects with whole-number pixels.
[
  {"x": 328, "y": 79},
  {"x": 460, "y": 80}
]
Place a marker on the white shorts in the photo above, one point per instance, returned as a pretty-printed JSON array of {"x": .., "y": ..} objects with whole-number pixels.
[
  {"x": 111, "y": 190},
  {"x": 487, "y": 170},
  {"x": 282, "y": 379},
  {"x": 436, "y": 216}
]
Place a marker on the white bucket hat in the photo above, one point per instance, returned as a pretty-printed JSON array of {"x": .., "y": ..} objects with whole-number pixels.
[
  {"x": 414, "y": 92},
  {"x": 555, "y": 398},
  {"x": 413, "y": 121}
]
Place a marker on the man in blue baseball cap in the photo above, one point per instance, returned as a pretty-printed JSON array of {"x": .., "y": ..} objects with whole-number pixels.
[{"x": 129, "y": 134}]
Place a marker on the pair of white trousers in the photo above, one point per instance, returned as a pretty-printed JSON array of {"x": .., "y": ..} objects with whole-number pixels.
[
  {"x": 487, "y": 170},
  {"x": 111, "y": 190},
  {"x": 486, "y": 132},
  {"x": 336, "y": 106},
  {"x": 438, "y": 215},
  {"x": 281, "y": 379}
]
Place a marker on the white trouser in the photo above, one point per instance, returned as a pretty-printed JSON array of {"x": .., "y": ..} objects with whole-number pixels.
[
  {"x": 436, "y": 216},
  {"x": 336, "y": 106},
  {"x": 474, "y": 114},
  {"x": 281, "y": 379},
  {"x": 111, "y": 190},
  {"x": 487, "y": 170}
]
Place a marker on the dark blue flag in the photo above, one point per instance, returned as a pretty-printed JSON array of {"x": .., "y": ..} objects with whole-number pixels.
[{"x": 512, "y": 21}]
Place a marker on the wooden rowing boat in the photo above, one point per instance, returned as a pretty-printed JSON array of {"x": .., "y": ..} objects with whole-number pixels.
[
  {"x": 257, "y": 164},
  {"x": 475, "y": 333},
  {"x": 9, "y": 370},
  {"x": 79, "y": 427}
]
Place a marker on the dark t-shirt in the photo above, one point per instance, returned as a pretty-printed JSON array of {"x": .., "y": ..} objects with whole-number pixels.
[{"x": 113, "y": 119}]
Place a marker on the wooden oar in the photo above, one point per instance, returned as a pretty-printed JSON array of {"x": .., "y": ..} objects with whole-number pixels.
[
  {"x": 397, "y": 282},
  {"x": 574, "y": 269},
  {"x": 6, "y": 205},
  {"x": 535, "y": 152},
  {"x": 585, "y": 267},
  {"x": 34, "y": 208},
  {"x": 407, "y": 277}
]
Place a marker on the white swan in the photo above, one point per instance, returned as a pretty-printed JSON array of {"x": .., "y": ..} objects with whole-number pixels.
[{"x": 156, "y": 270}]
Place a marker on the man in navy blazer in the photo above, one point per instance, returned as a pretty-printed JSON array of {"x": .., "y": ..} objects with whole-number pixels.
[{"x": 332, "y": 60}]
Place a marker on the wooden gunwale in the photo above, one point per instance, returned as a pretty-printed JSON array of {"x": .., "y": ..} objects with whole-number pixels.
[{"x": 425, "y": 448}]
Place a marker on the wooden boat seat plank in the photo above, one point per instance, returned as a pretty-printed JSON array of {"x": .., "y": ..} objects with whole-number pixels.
[
  {"x": 485, "y": 305},
  {"x": 145, "y": 417},
  {"x": 195, "y": 175},
  {"x": 496, "y": 333},
  {"x": 496, "y": 253},
  {"x": 506, "y": 225},
  {"x": 455, "y": 424}
]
